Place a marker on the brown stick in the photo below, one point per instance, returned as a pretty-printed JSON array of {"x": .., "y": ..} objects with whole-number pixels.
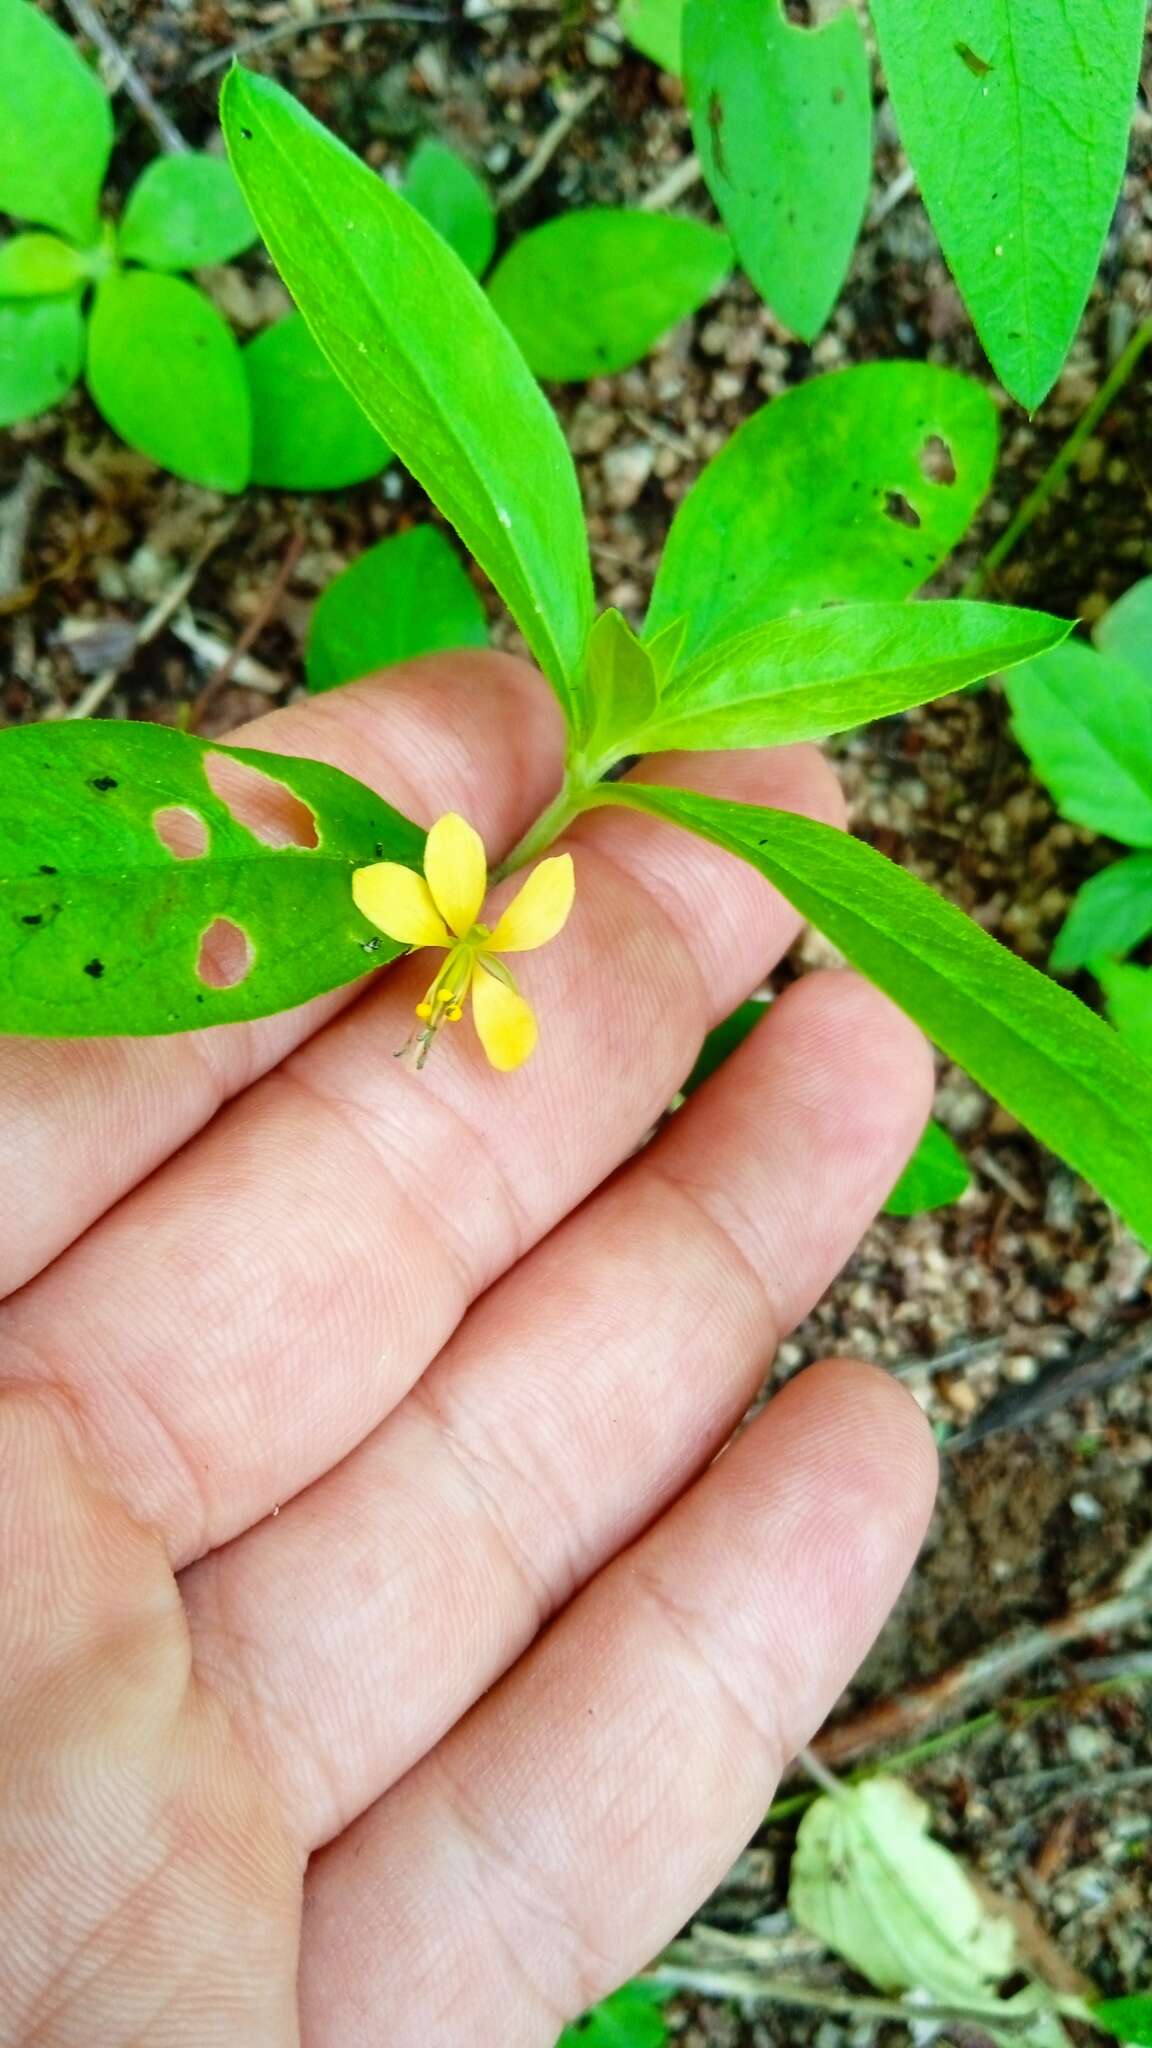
[
  {"x": 252, "y": 631},
  {"x": 89, "y": 22}
]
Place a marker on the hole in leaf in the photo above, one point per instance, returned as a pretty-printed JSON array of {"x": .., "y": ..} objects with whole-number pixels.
[
  {"x": 182, "y": 831},
  {"x": 225, "y": 957},
  {"x": 897, "y": 507},
  {"x": 265, "y": 807},
  {"x": 936, "y": 461}
]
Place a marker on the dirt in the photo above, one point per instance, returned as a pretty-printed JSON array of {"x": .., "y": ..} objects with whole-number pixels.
[{"x": 1029, "y": 1267}]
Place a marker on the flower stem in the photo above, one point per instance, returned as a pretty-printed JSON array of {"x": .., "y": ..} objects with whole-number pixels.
[{"x": 578, "y": 792}]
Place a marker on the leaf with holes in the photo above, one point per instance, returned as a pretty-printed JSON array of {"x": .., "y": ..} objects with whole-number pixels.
[
  {"x": 590, "y": 292},
  {"x": 308, "y": 433},
  {"x": 452, "y": 199},
  {"x": 1015, "y": 116},
  {"x": 936, "y": 1174},
  {"x": 655, "y": 28},
  {"x": 1110, "y": 914},
  {"x": 853, "y": 486},
  {"x": 167, "y": 375},
  {"x": 782, "y": 121},
  {"x": 1085, "y": 722},
  {"x": 411, "y": 333},
  {"x": 406, "y": 596},
  {"x": 152, "y": 882},
  {"x": 41, "y": 350},
  {"x": 1030, "y": 1043},
  {"x": 56, "y": 129},
  {"x": 184, "y": 212},
  {"x": 631, "y": 2018}
]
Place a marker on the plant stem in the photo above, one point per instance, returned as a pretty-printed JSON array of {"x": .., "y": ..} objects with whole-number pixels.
[
  {"x": 1058, "y": 469},
  {"x": 750, "y": 1985}
]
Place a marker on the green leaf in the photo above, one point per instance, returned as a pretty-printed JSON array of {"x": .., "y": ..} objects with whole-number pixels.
[
  {"x": 1030, "y": 1043},
  {"x": 55, "y": 127},
  {"x": 1125, "y": 631},
  {"x": 1110, "y": 915},
  {"x": 452, "y": 199},
  {"x": 723, "y": 1041},
  {"x": 823, "y": 672},
  {"x": 40, "y": 266},
  {"x": 167, "y": 375},
  {"x": 185, "y": 211},
  {"x": 782, "y": 121},
  {"x": 590, "y": 292},
  {"x": 1128, "y": 2019},
  {"x": 623, "y": 680},
  {"x": 101, "y": 924},
  {"x": 413, "y": 336},
  {"x": 631, "y": 2018},
  {"x": 1016, "y": 122},
  {"x": 1129, "y": 993},
  {"x": 308, "y": 433},
  {"x": 833, "y": 492},
  {"x": 936, "y": 1174},
  {"x": 406, "y": 596},
  {"x": 655, "y": 28},
  {"x": 1085, "y": 722},
  {"x": 41, "y": 350}
]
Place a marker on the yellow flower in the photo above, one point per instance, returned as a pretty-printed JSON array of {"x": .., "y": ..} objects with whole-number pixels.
[{"x": 441, "y": 907}]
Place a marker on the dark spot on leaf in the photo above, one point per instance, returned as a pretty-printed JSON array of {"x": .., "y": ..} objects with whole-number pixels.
[
  {"x": 246, "y": 134},
  {"x": 265, "y": 807},
  {"x": 34, "y": 917},
  {"x": 897, "y": 507},
  {"x": 225, "y": 957},
  {"x": 380, "y": 851},
  {"x": 370, "y": 945},
  {"x": 95, "y": 968},
  {"x": 976, "y": 65},
  {"x": 104, "y": 782},
  {"x": 716, "y": 124},
  {"x": 182, "y": 831},
  {"x": 907, "y": 561},
  {"x": 936, "y": 460},
  {"x": 49, "y": 871}
]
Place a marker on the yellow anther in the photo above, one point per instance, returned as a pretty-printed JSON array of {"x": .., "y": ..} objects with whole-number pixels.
[
  {"x": 443, "y": 995},
  {"x": 454, "y": 1014},
  {"x": 423, "y": 1009}
]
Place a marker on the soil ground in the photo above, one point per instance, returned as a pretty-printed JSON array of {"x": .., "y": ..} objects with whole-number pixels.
[{"x": 972, "y": 1304}]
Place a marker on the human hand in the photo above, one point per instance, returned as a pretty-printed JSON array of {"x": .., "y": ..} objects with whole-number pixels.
[{"x": 474, "y": 1655}]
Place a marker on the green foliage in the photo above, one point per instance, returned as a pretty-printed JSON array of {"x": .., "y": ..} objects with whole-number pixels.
[
  {"x": 723, "y": 1041},
  {"x": 1042, "y": 1053},
  {"x": 655, "y": 28},
  {"x": 1015, "y": 118},
  {"x": 308, "y": 433},
  {"x": 1129, "y": 993},
  {"x": 452, "y": 199},
  {"x": 1128, "y": 2019},
  {"x": 623, "y": 680},
  {"x": 406, "y": 596},
  {"x": 631, "y": 2018},
  {"x": 167, "y": 374},
  {"x": 405, "y": 325},
  {"x": 833, "y": 492},
  {"x": 1085, "y": 722},
  {"x": 936, "y": 1174},
  {"x": 589, "y": 293},
  {"x": 41, "y": 350},
  {"x": 102, "y": 924},
  {"x": 782, "y": 121},
  {"x": 56, "y": 129},
  {"x": 40, "y": 266},
  {"x": 183, "y": 212},
  {"x": 1125, "y": 631},
  {"x": 1111, "y": 915}
]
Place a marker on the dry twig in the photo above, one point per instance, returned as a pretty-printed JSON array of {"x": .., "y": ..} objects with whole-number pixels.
[
  {"x": 265, "y": 610},
  {"x": 153, "y": 623},
  {"x": 124, "y": 73},
  {"x": 553, "y": 138}
]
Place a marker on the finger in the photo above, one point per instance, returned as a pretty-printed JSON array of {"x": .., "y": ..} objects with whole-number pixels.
[
  {"x": 576, "y": 1400},
  {"x": 82, "y": 1122},
  {"x": 256, "y": 1309},
  {"x": 570, "y": 1824}
]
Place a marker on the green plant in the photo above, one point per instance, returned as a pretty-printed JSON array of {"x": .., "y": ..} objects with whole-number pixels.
[
  {"x": 405, "y": 596},
  {"x": 631, "y": 2018}
]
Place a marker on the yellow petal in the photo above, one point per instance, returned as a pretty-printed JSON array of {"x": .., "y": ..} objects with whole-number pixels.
[
  {"x": 540, "y": 910},
  {"x": 457, "y": 871},
  {"x": 400, "y": 903},
  {"x": 504, "y": 1021}
]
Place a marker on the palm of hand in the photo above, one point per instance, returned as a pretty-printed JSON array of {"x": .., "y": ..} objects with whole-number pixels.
[{"x": 390, "y": 1373}]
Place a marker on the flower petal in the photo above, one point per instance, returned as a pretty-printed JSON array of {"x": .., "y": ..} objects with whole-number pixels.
[
  {"x": 400, "y": 903},
  {"x": 505, "y": 1024},
  {"x": 540, "y": 910},
  {"x": 457, "y": 870}
]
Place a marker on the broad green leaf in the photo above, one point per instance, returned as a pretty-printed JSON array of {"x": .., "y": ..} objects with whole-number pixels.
[
  {"x": 1110, "y": 915},
  {"x": 101, "y": 924},
  {"x": 413, "y": 336},
  {"x": 40, "y": 266},
  {"x": 406, "y": 596},
  {"x": 833, "y": 492},
  {"x": 936, "y": 1174},
  {"x": 453, "y": 200},
  {"x": 56, "y": 127},
  {"x": 1015, "y": 116},
  {"x": 723, "y": 1041},
  {"x": 1125, "y": 631},
  {"x": 590, "y": 292},
  {"x": 308, "y": 433},
  {"x": 185, "y": 211},
  {"x": 41, "y": 351},
  {"x": 1030, "y": 1043},
  {"x": 822, "y": 672},
  {"x": 1127, "y": 2019},
  {"x": 166, "y": 373},
  {"x": 665, "y": 649},
  {"x": 1129, "y": 993},
  {"x": 655, "y": 28},
  {"x": 782, "y": 121},
  {"x": 1085, "y": 722},
  {"x": 631, "y": 2018},
  {"x": 623, "y": 680}
]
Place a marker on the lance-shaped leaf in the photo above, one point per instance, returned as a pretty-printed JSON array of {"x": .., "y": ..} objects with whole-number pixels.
[
  {"x": 56, "y": 130},
  {"x": 1031, "y": 1044},
  {"x": 853, "y": 486},
  {"x": 1085, "y": 722},
  {"x": 1016, "y": 122},
  {"x": 165, "y": 371},
  {"x": 817, "y": 673},
  {"x": 153, "y": 882},
  {"x": 782, "y": 121},
  {"x": 41, "y": 350},
  {"x": 409, "y": 330}
]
